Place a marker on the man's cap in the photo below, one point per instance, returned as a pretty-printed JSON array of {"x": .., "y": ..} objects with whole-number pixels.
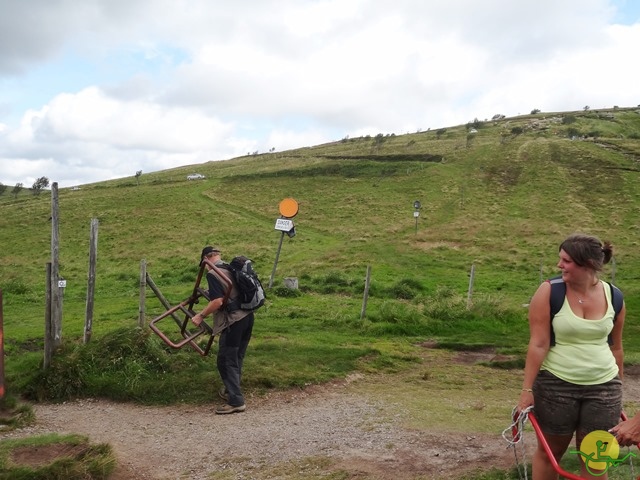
[{"x": 208, "y": 250}]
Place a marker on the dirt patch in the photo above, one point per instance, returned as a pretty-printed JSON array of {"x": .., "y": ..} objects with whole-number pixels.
[
  {"x": 472, "y": 358},
  {"x": 45, "y": 454},
  {"x": 483, "y": 355}
]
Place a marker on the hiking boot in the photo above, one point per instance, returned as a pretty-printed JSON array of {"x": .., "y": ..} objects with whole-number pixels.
[
  {"x": 226, "y": 408},
  {"x": 222, "y": 393}
]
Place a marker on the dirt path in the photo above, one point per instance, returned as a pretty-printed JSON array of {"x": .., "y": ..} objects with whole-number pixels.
[
  {"x": 283, "y": 432},
  {"x": 278, "y": 431}
]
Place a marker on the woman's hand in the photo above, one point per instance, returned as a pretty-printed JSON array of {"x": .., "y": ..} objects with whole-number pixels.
[{"x": 526, "y": 400}]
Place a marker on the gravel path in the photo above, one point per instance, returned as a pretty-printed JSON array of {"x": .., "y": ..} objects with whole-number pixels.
[
  {"x": 277, "y": 434},
  {"x": 358, "y": 435}
]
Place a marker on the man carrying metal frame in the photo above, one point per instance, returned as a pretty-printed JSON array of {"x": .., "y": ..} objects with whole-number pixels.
[{"x": 235, "y": 329}]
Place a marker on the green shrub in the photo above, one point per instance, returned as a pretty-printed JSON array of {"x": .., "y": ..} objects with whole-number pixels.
[
  {"x": 477, "y": 124},
  {"x": 573, "y": 132},
  {"x": 445, "y": 304},
  {"x": 285, "y": 292},
  {"x": 397, "y": 313},
  {"x": 125, "y": 361},
  {"x": 335, "y": 279},
  {"x": 594, "y": 134},
  {"x": 331, "y": 283},
  {"x": 406, "y": 289}
]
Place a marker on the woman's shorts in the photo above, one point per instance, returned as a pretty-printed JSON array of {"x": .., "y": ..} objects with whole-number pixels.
[{"x": 562, "y": 408}]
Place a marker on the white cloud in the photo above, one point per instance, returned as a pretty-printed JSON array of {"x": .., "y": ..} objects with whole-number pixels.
[
  {"x": 91, "y": 132},
  {"x": 157, "y": 84},
  {"x": 90, "y": 116}
]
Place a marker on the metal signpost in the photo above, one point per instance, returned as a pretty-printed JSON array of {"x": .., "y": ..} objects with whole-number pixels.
[
  {"x": 288, "y": 209},
  {"x": 416, "y": 214}
]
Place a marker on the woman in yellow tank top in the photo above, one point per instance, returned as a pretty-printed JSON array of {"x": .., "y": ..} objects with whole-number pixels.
[{"x": 574, "y": 385}]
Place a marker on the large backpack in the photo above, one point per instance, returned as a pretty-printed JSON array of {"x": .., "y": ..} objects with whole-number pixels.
[
  {"x": 556, "y": 300},
  {"x": 250, "y": 292}
]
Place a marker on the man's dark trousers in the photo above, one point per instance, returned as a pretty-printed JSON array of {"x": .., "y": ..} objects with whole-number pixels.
[{"x": 232, "y": 347}]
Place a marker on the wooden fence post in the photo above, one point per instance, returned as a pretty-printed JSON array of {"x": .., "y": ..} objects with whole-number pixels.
[
  {"x": 91, "y": 283},
  {"x": 143, "y": 291},
  {"x": 56, "y": 297},
  {"x": 470, "y": 292},
  {"x": 49, "y": 341},
  {"x": 365, "y": 297}
]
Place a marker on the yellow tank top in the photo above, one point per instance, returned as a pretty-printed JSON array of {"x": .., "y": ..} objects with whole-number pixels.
[{"x": 581, "y": 354}]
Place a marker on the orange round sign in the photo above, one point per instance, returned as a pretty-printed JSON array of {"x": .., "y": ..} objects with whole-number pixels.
[{"x": 288, "y": 208}]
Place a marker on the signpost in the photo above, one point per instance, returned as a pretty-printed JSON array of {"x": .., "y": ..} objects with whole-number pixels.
[
  {"x": 288, "y": 209},
  {"x": 417, "y": 206}
]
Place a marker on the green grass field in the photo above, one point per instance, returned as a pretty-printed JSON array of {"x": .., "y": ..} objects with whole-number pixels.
[{"x": 494, "y": 201}]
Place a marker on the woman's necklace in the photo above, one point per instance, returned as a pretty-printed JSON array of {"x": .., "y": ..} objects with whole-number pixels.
[{"x": 581, "y": 300}]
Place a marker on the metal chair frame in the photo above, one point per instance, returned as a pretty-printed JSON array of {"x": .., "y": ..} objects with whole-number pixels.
[{"x": 186, "y": 307}]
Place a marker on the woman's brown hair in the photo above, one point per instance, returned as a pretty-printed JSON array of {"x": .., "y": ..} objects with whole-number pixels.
[{"x": 587, "y": 251}]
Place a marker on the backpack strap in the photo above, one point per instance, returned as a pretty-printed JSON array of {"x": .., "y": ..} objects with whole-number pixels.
[
  {"x": 556, "y": 300},
  {"x": 232, "y": 304},
  {"x": 228, "y": 282},
  {"x": 617, "y": 300}
]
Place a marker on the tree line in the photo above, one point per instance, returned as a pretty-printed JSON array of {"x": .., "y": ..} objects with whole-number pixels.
[{"x": 36, "y": 189}]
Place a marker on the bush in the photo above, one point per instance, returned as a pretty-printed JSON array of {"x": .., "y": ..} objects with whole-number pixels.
[
  {"x": 332, "y": 282},
  {"x": 395, "y": 312},
  {"x": 477, "y": 124},
  {"x": 285, "y": 292},
  {"x": 397, "y": 318},
  {"x": 119, "y": 365},
  {"x": 406, "y": 289},
  {"x": 446, "y": 304},
  {"x": 573, "y": 132}
]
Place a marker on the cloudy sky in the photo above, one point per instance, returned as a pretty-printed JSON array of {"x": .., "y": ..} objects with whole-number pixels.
[{"x": 92, "y": 90}]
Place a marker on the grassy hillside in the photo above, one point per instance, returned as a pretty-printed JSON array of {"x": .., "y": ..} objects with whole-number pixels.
[{"x": 499, "y": 195}]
